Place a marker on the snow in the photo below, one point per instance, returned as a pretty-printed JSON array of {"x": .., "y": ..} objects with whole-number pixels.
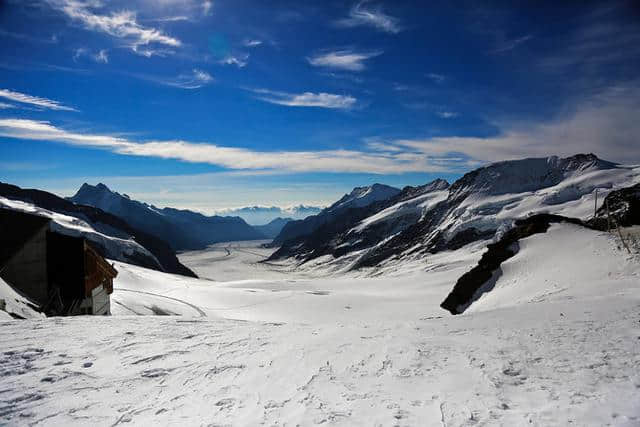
[
  {"x": 364, "y": 196},
  {"x": 416, "y": 206},
  {"x": 346, "y": 349},
  {"x": 572, "y": 197},
  {"x": 16, "y": 304}
]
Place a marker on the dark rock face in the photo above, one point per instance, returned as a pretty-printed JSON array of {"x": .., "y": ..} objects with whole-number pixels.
[
  {"x": 624, "y": 208},
  {"x": 478, "y": 280},
  {"x": 182, "y": 229},
  {"x": 107, "y": 224}
]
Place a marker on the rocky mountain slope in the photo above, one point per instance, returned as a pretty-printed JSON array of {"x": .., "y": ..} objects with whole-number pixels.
[
  {"x": 183, "y": 229},
  {"x": 354, "y": 228},
  {"x": 110, "y": 235},
  {"x": 360, "y": 197}
]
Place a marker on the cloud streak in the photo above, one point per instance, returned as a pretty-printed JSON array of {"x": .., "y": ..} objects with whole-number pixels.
[
  {"x": 342, "y": 59},
  {"x": 508, "y": 45},
  {"x": 33, "y": 100},
  {"x": 306, "y": 99},
  {"x": 374, "y": 17},
  {"x": 194, "y": 79},
  {"x": 345, "y": 161}
]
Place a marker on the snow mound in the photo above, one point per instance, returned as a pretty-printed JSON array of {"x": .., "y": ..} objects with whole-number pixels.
[{"x": 568, "y": 262}]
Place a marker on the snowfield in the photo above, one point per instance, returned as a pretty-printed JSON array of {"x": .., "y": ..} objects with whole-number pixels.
[{"x": 556, "y": 342}]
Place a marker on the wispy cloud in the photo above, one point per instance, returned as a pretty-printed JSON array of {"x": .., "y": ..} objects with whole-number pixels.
[
  {"x": 239, "y": 61},
  {"x": 507, "y": 45},
  {"x": 101, "y": 56},
  {"x": 195, "y": 79},
  {"x": 342, "y": 59},
  {"x": 34, "y": 100},
  {"x": 252, "y": 43},
  {"x": 306, "y": 99},
  {"x": 206, "y": 7},
  {"x": 446, "y": 114},
  {"x": 437, "y": 78},
  {"x": 372, "y": 17},
  {"x": 121, "y": 25},
  {"x": 348, "y": 161},
  {"x": 4, "y": 106}
]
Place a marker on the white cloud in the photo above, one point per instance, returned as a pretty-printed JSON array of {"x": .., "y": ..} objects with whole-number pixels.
[
  {"x": 34, "y": 100},
  {"x": 349, "y": 161},
  {"x": 4, "y": 106},
  {"x": 307, "y": 99},
  {"x": 239, "y": 61},
  {"x": 252, "y": 43},
  {"x": 121, "y": 25},
  {"x": 372, "y": 17},
  {"x": 206, "y": 7},
  {"x": 342, "y": 59},
  {"x": 100, "y": 56}
]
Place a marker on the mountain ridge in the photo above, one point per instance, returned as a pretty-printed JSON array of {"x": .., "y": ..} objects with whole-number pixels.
[{"x": 183, "y": 229}]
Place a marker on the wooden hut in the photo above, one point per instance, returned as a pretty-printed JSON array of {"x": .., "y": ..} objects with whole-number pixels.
[{"x": 61, "y": 274}]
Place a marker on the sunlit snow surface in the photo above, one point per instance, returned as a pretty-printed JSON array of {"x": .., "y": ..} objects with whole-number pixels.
[{"x": 557, "y": 342}]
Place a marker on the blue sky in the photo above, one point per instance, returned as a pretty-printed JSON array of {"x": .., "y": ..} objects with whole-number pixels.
[{"x": 225, "y": 103}]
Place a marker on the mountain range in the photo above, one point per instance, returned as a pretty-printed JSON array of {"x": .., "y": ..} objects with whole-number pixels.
[
  {"x": 368, "y": 227},
  {"x": 184, "y": 229},
  {"x": 259, "y": 215},
  {"x": 481, "y": 205}
]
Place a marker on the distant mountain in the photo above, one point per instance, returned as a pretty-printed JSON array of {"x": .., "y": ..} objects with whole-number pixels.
[
  {"x": 256, "y": 215},
  {"x": 273, "y": 228},
  {"x": 183, "y": 229},
  {"x": 359, "y": 227},
  {"x": 481, "y": 205},
  {"x": 112, "y": 236},
  {"x": 358, "y": 198}
]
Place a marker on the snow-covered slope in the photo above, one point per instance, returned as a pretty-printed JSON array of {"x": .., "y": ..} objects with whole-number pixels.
[
  {"x": 363, "y": 196},
  {"x": 379, "y": 352},
  {"x": 567, "y": 262}
]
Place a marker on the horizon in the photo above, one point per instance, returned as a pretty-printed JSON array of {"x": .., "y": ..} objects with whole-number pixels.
[{"x": 214, "y": 106}]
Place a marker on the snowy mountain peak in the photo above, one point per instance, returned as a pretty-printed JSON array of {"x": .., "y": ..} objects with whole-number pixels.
[
  {"x": 515, "y": 176},
  {"x": 364, "y": 196}
]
